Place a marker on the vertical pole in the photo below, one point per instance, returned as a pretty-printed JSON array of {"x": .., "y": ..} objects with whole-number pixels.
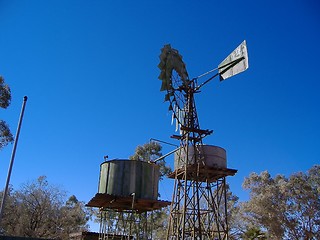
[
  {"x": 226, "y": 209},
  {"x": 132, "y": 217},
  {"x": 12, "y": 158}
]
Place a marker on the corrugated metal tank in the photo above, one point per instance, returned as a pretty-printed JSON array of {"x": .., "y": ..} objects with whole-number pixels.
[
  {"x": 210, "y": 156},
  {"x": 122, "y": 177}
]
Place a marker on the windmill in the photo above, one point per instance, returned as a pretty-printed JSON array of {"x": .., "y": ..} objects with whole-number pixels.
[{"x": 199, "y": 201}]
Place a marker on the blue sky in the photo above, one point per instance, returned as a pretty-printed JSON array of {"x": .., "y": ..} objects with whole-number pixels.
[{"x": 90, "y": 71}]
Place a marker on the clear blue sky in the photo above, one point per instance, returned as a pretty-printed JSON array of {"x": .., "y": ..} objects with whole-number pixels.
[{"x": 90, "y": 71}]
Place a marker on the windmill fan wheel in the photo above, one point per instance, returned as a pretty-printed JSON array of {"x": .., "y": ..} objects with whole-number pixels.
[{"x": 175, "y": 80}]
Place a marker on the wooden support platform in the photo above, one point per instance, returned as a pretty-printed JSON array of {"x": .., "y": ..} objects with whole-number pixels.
[
  {"x": 124, "y": 203},
  {"x": 205, "y": 173}
]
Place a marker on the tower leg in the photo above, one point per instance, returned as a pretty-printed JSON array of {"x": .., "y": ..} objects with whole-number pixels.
[{"x": 198, "y": 210}]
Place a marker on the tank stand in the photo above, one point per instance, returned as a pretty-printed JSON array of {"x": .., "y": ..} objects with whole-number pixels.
[
  {"x": 125, "y": 225},
  {"x": 199, "y": 205}
]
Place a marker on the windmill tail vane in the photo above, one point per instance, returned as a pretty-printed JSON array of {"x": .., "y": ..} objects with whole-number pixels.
[{"x": 234, "y": 63}]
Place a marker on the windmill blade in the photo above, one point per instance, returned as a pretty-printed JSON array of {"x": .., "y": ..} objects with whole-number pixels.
[
  {"x": 235, "y": 63},
  {"x": 170, "y": 60}
]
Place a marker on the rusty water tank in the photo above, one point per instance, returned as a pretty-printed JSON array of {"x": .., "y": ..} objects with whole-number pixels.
[
  {"x": 206, "y": 155},
  {"x": 122, "y": 177}
]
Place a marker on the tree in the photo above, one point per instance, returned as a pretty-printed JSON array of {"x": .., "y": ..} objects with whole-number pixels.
[
  {"x": 39, "y": 210},
  {"x": 74, "y": 216},
  {"x": 159, "y": 220},
  {"x": 10, "y": 213},
  {"x": 254, "y": 233},
  {"x": 5, "y": 100},
  {"x": 288, "y": 208},
  {"x": 233, "y": 214},
  {"x": 150, "y": 152}
]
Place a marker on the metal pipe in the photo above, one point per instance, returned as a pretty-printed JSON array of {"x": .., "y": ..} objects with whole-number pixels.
[
  {"x": 166, "y": 155},
  {"x": 25, "y": 98},
  {"x": 204, "y": 74},
  {"x": 228, "y": 65},
  {"x": 157, "y": 140}
]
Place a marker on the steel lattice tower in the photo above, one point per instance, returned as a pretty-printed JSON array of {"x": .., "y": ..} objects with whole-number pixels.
[{"x": 199, "y": 203}]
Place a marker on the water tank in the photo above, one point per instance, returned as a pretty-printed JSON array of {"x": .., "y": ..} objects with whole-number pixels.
[
  {"x": 122, "y": 177},
  {"x": 207, "y": 155}
]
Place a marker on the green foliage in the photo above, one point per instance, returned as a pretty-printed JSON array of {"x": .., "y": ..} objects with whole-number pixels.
[
  {"x": 150, "y": 152},
  {"x": 147, "y": 152},
  {"x": 5, "y": 100},
  {"x": 5, "y": 134},
  {"x": 5, "y": 94},
  {"x": 288, "y": 208},
  {"x": 39, "y": 210},
  {"x": 254, "y": 233},
  {"x": 233, "y": 214},
  {"x": 159, "y": 223}
]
